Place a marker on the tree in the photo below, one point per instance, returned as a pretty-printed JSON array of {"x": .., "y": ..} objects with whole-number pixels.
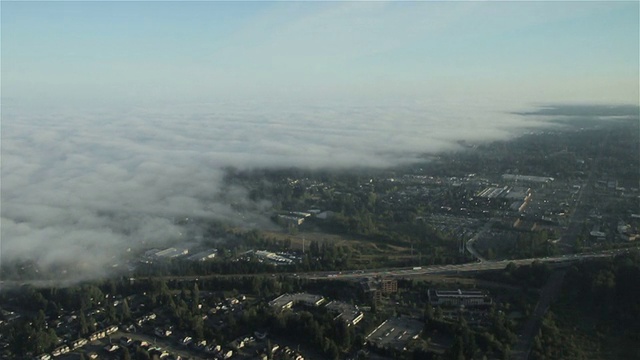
[
  {"x": 125, "y": 354},
  {"x": 84, "y": 328},
  {"x": 142, "y": 354},
  {"x": 438, "y": 314},
  {"x": 429, "y": 312},
  {"x": 111, "y": 312},
  {"x": 39, "y": 322},
  {"x": 126, "y": 312},
  {"x": 343, "y": 334},
  {"x": 456, "y": 352},
  {"x": 331, "y": 349},
  {"x": 196, "y": 294}
]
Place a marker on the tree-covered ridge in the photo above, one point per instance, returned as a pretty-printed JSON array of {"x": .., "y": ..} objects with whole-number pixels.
[{"x": 598, "y": 314}]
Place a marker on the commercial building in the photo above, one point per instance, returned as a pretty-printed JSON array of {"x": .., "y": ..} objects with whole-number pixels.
[
  {"x": 492, "y": 192},
  {"x": 273, "y": 258},
  {"x": 286, "y": 301},
  {"x": 377, "y": 288},
  {"x": 468, "y": 298},
  {"x": 527, "y": 178},
  {"x": 348, "y": 313},
  {"x": 168, "y": 253},
  {"x": 290, "y": 220},
  {"x": 395, "y": 333},
  {"x": 204, "y": 255},
  {"x": 388, "y": 286},
  {"x": 171, "y": 253}
]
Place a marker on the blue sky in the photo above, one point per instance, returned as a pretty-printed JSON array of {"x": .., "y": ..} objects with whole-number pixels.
[{"x": 117, "y": 52}]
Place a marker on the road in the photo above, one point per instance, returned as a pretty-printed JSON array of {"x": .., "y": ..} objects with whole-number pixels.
[
  {"x": 451, "y": 269},
  {"x": 356, "y": 274},
  {"x": 531, "y": 327},
  {"x": 581, "y": 208},
  {"x": 469, "y": 244}
]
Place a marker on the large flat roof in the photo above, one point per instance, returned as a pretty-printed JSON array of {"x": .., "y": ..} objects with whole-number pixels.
[
  {"x": 457, "y": 293},
  {"x": 306, "y": 298},
  {"x": 396, "y": 332}
]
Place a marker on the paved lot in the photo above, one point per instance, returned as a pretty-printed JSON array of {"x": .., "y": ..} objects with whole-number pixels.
[{"x": 396, "y": 332}]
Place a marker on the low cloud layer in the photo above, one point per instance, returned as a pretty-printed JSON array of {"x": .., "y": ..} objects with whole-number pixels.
[
  {"x": 83, "y": 187},
  {"x": 585, "y": 111}
]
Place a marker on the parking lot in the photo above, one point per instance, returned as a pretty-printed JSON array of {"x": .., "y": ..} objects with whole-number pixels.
[{"x": 396, "y": 332}]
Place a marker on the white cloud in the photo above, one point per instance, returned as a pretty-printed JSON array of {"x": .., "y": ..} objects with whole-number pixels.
[{"x": 87, "y": 186}]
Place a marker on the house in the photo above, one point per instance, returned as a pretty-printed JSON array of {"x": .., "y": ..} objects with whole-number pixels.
[
  {"x": 159, "y": 352},
  {"x": 126, "y": 341},
  {"x": 213, "y": 349},
  {"x": 111, "y": 329},
  {"x": 76, "y": 344},
  {"x": 237, "y": 344},
  {"x": 97, "y": 335},
  {"x": 162, "y": 332},
  {"x": 142, "y": 344},
  {"x": 348, "y": 313},
  {"x": 111, "y": 348}
]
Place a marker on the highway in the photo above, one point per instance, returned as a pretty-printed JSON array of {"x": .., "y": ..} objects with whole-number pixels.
[
  {"x": 353, "y": 274},
  {"x": 451, "y": 269}
]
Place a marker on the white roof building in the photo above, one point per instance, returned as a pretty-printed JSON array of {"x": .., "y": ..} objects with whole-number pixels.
[{"x": 204, "y": 255}]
